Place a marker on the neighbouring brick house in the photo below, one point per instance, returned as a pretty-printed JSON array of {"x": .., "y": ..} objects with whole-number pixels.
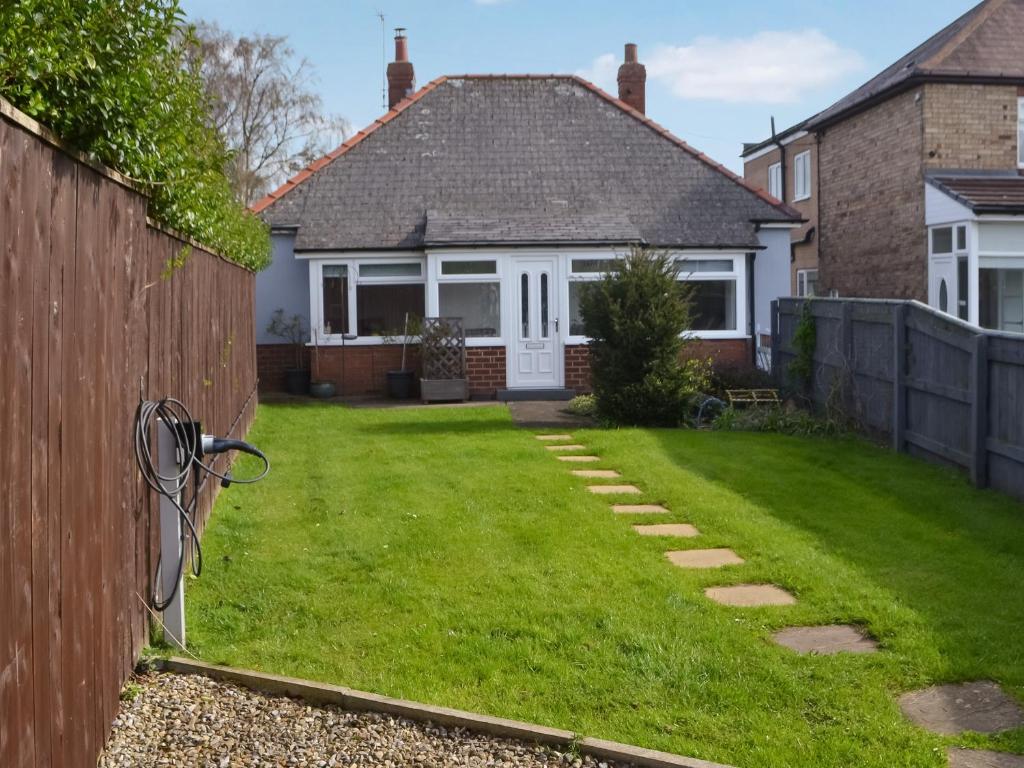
[
  {"x": 916, "y": 175},
  {"x": 494, "y": 198}
]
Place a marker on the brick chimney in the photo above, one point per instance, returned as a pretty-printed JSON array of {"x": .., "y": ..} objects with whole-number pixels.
[
  {"x": 401, "y": 78},
  {"x": 633, "y": 80}
]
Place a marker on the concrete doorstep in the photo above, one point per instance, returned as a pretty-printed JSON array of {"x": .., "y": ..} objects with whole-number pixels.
[{"x": 360, "y": 701}]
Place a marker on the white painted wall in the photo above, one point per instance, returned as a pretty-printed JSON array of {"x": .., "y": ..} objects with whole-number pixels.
[
  {"x": 285, "y": 284},
  {"x": 771, "y": 275},
  {"x": 940, "y": 208}
]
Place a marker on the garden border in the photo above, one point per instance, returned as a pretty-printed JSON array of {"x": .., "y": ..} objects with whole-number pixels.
[{"x": 361, "y": 701}]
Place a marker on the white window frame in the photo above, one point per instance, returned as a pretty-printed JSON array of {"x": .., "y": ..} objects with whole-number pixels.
[
  {"x": 737, "y": 274},
  {"x": 1020, "y": 132},
  {"x": 802, "y": 176},
  {"x": 775, "y": 180},
  {"x": 801, "y": 281},
  {"x": 499, "y": 276},
  {"x": 581, "y": 277},
  {"x": 316, "y": 295}
]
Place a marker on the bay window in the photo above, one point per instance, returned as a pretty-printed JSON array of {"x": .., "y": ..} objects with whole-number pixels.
[
  {"x": 371, "y": 298},
  {"x": 471, "y": 289}
]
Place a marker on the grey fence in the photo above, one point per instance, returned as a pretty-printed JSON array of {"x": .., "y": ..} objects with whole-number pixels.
[{"x": 941, "y": 389}]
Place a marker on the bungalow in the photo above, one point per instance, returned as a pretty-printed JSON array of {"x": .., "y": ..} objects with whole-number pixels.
[{"x": 494, "y": 198}]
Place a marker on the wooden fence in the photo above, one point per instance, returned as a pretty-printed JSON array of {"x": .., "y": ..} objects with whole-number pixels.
[
  {"x": 91, "y": 316},
  {"x": 941, "y": 389}
]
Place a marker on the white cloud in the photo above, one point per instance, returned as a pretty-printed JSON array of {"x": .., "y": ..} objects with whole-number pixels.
[
  {"x": 769, "y": 67},
  {"x": 602, "y": 72}
]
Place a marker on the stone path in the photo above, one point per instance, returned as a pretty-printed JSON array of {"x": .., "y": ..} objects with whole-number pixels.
[{"x": 949, "y": 709}]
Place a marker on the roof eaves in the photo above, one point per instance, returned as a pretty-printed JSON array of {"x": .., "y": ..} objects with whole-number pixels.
[
  {"x": 317, "y": 165},
  {"x": 636, "y": 114}
]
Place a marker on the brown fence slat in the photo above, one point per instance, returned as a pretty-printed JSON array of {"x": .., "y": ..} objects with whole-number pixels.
[{"x": 86, "y": 316}]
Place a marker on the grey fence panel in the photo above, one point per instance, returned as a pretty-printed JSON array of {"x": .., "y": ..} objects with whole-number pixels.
[{"x": 941, "y": 389}]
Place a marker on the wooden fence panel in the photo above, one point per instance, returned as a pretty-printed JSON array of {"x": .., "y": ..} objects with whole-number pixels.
[
  {"x": 89, "y": 323},
  {"x": 943, "y": 390}
]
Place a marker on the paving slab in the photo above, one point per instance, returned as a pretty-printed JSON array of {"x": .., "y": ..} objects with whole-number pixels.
[
  {"x": 638, "y": 509},
  {"x": 826, "y": 640},
  {"x": 578, "y": 459},
  {"x": 549, "y": 438},
  {"x": 980, "y": 706},
  {"x": 704, "y": 558},
  {"x": 750, "y": 595},
  {"x": 546, "y": 414},
  {"x": 607, "y": 490},
  {"x": 683, "y": 530},
  {"x": 983, "y": 758},
  {"x": 567, "y": 447},
  {"x": 596, "y": 473}
]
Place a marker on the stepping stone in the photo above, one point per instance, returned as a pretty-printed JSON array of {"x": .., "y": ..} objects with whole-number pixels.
[
  {"x": 952, "y": 709},
  {"x": 750, "y": 595},
  {"x": 572, "y": 447},
  {"x": 553, "y": 437},
  {"x": 596, "y": 473},
  {"x": 637, "y": 509},
  {"x": 606, "y": 490},
  {"x": 826, "y": 640},
  {"x": 983, "y": 758},
  {"x": 683, "y": 530},
  {"x": 704, "y": 558},
  {"x": 578, "y": 459}
]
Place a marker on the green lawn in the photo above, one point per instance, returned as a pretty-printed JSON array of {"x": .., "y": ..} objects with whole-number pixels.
[{"x": 443, "y": 555}]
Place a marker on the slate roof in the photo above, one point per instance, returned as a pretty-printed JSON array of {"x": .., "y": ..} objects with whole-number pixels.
[
  {"x": 984, "y": 43},
  {"x": 515, "y": 159},
  {"x": 984, "y": 193}
]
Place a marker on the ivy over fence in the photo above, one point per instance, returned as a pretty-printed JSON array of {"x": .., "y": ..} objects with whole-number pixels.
[{"x": 108, "y": 76}]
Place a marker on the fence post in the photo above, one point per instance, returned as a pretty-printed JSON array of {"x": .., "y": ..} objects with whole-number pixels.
[
  {"x": 846, "y": 329},
  {"x": 979, "y": 411},
  {"x": 899, "y": 391},
  {"x": 773, "y": 360}
]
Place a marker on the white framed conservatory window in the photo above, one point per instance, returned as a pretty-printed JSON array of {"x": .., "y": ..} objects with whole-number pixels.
[
  {"x": 470, "y": 287},
  {"x": 367, "y": 298},
  {"x": 718, "y": 288},
  {"x": 583, "y": 270}
]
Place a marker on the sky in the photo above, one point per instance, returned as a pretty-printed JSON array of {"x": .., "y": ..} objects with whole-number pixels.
[{"x": 716, "y": 71}]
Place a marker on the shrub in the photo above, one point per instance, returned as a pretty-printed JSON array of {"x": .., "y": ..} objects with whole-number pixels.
[
  {"x": 583, "y": 405},
  {"x": 734, "y": 376},
  {"x": 787, "y": 421},
  {"x": 805, "y": 340},
  {"x": 635, "y": 316}
]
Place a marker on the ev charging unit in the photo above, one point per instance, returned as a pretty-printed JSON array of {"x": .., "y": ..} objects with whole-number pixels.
[{"x": 180, "y": 448}]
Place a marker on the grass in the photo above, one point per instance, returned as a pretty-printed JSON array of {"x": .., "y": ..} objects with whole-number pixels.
[{"x": 445, "y": 556}]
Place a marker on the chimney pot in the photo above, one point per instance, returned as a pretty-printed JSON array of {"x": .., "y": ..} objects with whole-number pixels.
[
  {"x": 401, "y": 76},
  {"x": 633, "y": 80}
]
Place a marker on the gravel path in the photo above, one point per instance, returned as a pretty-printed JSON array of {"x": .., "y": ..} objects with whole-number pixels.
[{"x": 188, "y": 720}]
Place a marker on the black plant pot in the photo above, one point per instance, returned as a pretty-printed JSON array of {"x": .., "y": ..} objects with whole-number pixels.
[
  {"x": 322, "y": 389},
  {"x": 400, "y": 384},
  {"x": 296, "y": 381}
]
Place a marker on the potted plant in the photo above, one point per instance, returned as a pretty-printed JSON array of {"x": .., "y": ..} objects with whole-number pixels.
[
  {"x": 319, "y": 387},
  {"x": 400, "y": 383},
  {"x": 293, "y": 331}
]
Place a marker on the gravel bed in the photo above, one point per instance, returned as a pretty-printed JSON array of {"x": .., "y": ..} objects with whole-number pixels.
[{"x": 189, "y": 720}]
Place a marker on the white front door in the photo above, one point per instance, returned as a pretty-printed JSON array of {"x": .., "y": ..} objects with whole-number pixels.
[
  {"x": 535, "y": 355},
  {"x": 942, "y": 288}
]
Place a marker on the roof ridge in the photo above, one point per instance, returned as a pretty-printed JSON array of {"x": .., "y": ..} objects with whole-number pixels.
[
  {"x": 345, "y": 146},
  {"x": 666, "y": 133},
  {"x": 982, "y": 13}
]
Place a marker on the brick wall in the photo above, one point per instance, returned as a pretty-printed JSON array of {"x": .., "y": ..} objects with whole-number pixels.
[
  {"x": 271, "y": 362},
  {"x": 756, "y": 172},
  {"x": 970, "y": 126},
  {"x": 354, "y": 370},
  {"x": 577, "y": 368},
  {"x": 485, "y": 368},
  {"x": 871, "y": 182}
]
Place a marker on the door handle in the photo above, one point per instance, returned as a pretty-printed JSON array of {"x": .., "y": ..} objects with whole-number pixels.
[{"x": 556, "y": 325}]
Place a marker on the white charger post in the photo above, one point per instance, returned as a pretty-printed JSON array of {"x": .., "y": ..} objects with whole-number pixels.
[{"x": 172, "y": 544}]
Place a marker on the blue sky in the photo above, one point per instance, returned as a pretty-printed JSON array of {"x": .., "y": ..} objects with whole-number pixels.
[{"x": 716, "y": 70}]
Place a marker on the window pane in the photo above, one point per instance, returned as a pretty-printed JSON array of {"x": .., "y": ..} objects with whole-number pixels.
[
  {"x": 1002, "y": 299},
  {"x": 942, "y": 240},
  {"x": 575, "y": 317},
  {"x": 469, "y": 267},
  {"x": 775, "y": 180},
  {"x": 389, "y": 270},
  {"x": 713, "y": 305},
  {"x": 684, "y": 266},
  {"x": 544, "y": 305},
  {"x": 961, "y": 288},
  {"x": 588, "y": 266},
  {"x": 335, "y": 298},
  {"x": 961, "y": 238},
  {"x": 478, "y": 304},
  {"x": 811, "y": 282},
  {"x": 524, "y": 308},
  {"x": 380, "y": 309}
]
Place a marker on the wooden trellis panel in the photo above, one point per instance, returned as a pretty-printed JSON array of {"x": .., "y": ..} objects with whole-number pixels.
[{"x": 443, "y": 347}]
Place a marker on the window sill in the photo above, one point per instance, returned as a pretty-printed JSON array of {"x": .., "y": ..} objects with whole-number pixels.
[{"x": 800, "y": 199}]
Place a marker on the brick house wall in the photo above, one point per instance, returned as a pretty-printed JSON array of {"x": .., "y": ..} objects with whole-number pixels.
[
  {"x": 970, "y": 126},
  {"x": 577, "y": 367},
  {"x": 272, "y": 360},
  {"x": 485, "y": 368},
  {"x": 871, "y": 186},
  {"x": 805, "y": 256}
]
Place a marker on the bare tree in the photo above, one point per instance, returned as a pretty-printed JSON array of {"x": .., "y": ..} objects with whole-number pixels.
[{"x": 263, "y": 103}]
